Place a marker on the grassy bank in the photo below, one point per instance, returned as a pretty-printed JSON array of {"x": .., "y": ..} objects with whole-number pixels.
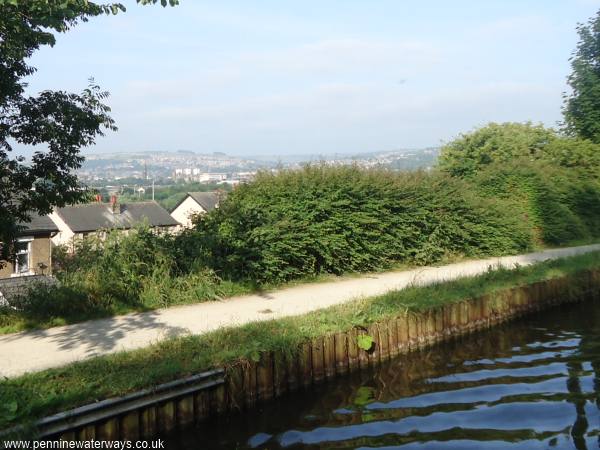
[{"x": 32, "y": 396}]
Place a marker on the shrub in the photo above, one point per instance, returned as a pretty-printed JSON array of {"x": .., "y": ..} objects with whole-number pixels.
[
  {"x": 338, "y": 219},
  {"x": 504, "y": 143},
  {"x": 114, "y": 274},
  {"x": 136, "y": 270},
  {"x": 559, "y": 204},
  {"x": 494, "y": 143},
  {"x": 552, "y": 181}
]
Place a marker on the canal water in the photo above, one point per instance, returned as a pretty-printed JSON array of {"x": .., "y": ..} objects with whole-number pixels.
[{"x": 531, "y": 384}]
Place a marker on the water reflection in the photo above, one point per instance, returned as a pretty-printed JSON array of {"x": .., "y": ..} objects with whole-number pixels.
[{"x": 532, "y": 384}]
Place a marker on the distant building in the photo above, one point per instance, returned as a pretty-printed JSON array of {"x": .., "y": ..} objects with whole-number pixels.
[
  {"x": 194, "y": 203},
  {"x": 195, "y": 174},
  {"x": 78, "y": 221},
  {"x": 206, "y": 177},
  {"x": 34, "y": 249}
]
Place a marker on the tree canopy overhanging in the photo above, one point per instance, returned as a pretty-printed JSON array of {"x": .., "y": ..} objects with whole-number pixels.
[{"x": 57, "y": 123}]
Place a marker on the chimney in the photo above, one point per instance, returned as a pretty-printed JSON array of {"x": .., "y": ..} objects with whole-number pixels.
[{"x": 114, "y": 204}]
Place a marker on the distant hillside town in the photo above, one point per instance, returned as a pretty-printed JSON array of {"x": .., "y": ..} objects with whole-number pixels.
[{"x": 220, "y": 168}]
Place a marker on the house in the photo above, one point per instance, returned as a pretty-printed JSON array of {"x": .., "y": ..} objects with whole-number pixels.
[
  {"x": 78, "y": 221},
  {"x": 34, "y": 249},
  {"x": 195, "y": 203}
]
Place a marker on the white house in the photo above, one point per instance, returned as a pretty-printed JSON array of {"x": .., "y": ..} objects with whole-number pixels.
[{"x": 192, "y": 204}]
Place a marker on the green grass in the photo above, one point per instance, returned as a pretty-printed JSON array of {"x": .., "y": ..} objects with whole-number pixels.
[
  {"x": 14, "y": 320},
  {"x": 32, "y": 396}
]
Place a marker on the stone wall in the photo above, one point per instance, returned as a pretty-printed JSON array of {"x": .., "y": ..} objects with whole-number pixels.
[{"x": 16, "y": 286}]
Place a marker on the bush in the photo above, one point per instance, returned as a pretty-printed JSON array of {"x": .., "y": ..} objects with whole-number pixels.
[
  {"x": 504, "y": 143},
  {"x": 135, "y": 270},
  {"x": 113, "y": 275},
  {"x": 552, "y": 181},
  {"x": 345, "y": 219},
  {"x": 559, "y": 204},
  {"x": 494, "y": 143}
]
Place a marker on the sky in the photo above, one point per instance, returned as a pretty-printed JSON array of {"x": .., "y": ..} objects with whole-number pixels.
[{"x": 272, "y": 77}]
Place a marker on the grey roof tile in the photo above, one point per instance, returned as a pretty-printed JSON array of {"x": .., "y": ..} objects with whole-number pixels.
[
  {"x": 39, "y": 225},
  {"x": 208, "y": 200},
  {"x": 97, "y": 216}
]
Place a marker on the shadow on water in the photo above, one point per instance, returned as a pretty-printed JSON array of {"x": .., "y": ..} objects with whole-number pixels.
[{"x": 531, "y": 384}]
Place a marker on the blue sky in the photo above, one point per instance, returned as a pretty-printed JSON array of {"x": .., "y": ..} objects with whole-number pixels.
[{"x": 318, "y": 76}]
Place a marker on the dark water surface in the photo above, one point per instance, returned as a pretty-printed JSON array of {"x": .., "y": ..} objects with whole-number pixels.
[{"x": 530, "y": 384}]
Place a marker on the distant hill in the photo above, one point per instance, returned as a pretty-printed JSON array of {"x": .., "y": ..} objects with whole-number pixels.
[{"x": 161, "y": 165}]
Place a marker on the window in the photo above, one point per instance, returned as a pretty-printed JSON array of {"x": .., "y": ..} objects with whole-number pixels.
[{"x": 23, "y": 257}]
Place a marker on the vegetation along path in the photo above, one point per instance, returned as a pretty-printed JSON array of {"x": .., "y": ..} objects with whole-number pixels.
[{"x": 37, "y": 350}]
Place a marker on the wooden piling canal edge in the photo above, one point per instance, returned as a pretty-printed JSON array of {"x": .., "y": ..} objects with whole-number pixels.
[
  {"x": 242, "y": 386},
  {"x": 144, "y": 413}
]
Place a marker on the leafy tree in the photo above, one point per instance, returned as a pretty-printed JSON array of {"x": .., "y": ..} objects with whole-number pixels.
[
  {"x": 507, "y": 142},
  {"x": 559, "y": 204},
  {"x": 582, "y": 105},
  {"x": 575, "y": 153},
  {"x": 58, "y": 123},
  {"x": 496, "y": 142}
]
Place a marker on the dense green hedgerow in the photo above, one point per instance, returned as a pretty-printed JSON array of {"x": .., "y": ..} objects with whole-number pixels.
[
  {"x": 505, "y": 143},
  {"x": 338, "y": 219},
  {"x": 559, "y": 204},
  {"x": 552, "y": 180}
]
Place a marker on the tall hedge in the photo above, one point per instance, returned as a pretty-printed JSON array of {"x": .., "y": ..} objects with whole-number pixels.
[
  {"x": 560, "y": 204},
  {"x": 338, "y": 219},
  {"x": 553, "y": 181},
  {"x": 494, "y": 143},
  {"x": 504, "y": 143}
]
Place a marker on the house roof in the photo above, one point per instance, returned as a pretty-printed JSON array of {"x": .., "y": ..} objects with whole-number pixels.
[
  {"x": 208, "y": 200},
  {"x": 39, "y": 225},
  {"x": 97, "y": 216}
]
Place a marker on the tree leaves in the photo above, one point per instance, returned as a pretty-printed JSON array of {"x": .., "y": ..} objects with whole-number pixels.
[
  {"x": 582, "y": 106},
  {"x": 59, "y": 123},
  {"x": 10, "y": 408},
  {"x": 494, "y": 143}
]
